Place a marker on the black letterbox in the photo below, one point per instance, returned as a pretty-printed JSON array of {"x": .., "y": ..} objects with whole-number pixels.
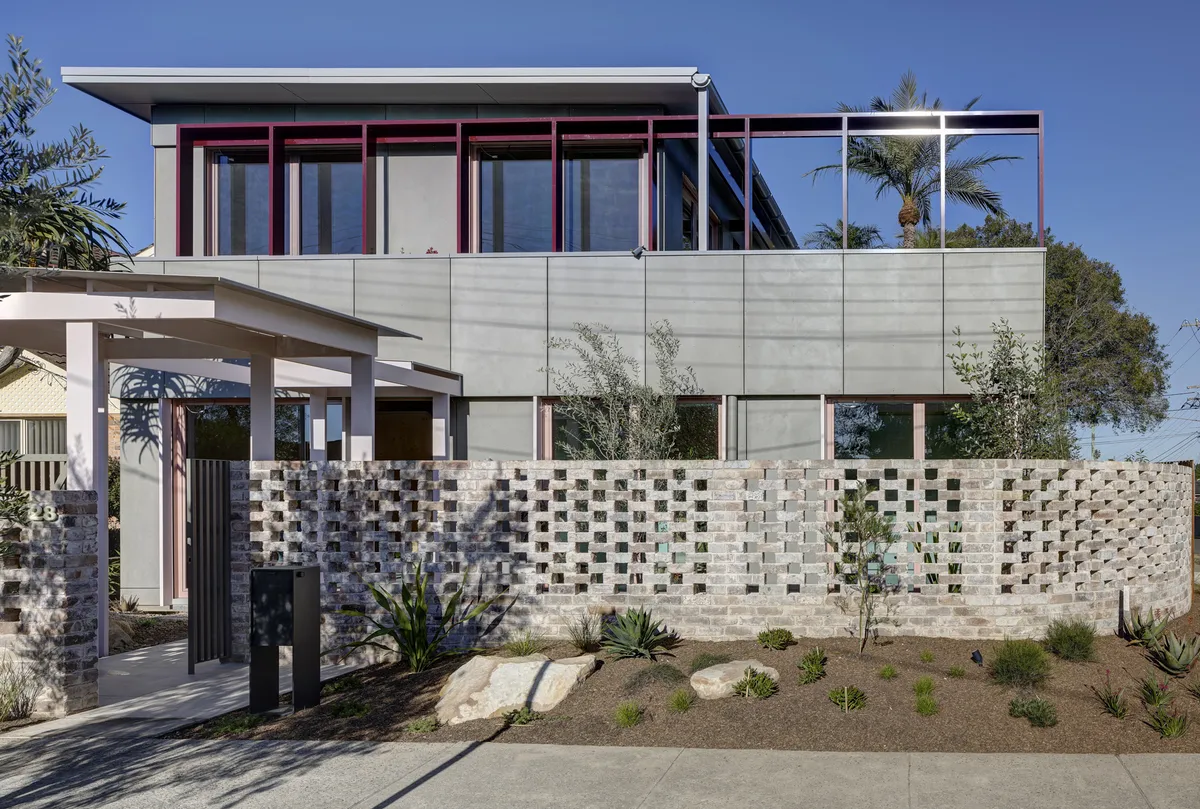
[{"x": 285, "y": 610}]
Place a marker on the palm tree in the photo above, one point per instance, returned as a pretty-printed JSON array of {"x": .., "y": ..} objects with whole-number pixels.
[
  {"x": 911, "y": 166},
  {"x": 829, "y": 237},
  {"x": 48, "y": 215}
]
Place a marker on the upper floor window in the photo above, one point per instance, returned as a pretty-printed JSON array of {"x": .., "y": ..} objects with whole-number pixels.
[
  {"x": 602, "y": 198},
  {"x": 239, "y": 203},
  {"x": 515, "y": 200}
]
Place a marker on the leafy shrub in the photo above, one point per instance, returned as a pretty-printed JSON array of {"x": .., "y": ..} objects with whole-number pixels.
[
  {"x": 927, "y": 705},
  {"x": 848, "y": 698},
  {"x": 926, "y": 656},
  {"x": 755, "y": 683},
  {"x": 655, "y": 673},
  {"x": 923, "y": 686},
  {"x": 629, "y": 714},
  {"x": 1145, "y": 629},
  {"x": 888, "y": 672},
  {"x": 1112, "y": 702},
  {"x": 349, "y": 709},
  {"x": 812, "y": 665},
  {"x": 776, "y": 639},
  {"x": 350, "y": 682},
  {"x": 584, "y": 631},
  {"x": 957, "y": 672},
  {"x": 19, "y": 687},
  {"x": 1071, "y": 640},
  {"x": 426, "y": 724},
  {"x": 1155, "y": 694},
  {"x": 635, "y": 634},
  {"x": 524, "y": 645},
  {"x": 1040, "y": 712},
  {"x": 406, "y": 623},
  {"x": 522, "y": 716},
  {"x": 1020, "y": 663},
  {"x": 1174, "y": 655},
  {"x": 681, "y": 701},
  {"x": 706, "y": 659},
  {"x": 1169, "y": 725}
]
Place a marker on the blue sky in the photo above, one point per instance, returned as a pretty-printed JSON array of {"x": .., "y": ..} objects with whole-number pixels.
[{"x": 1118, "y": 82}]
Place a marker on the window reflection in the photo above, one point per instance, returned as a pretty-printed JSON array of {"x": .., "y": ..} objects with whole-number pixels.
[
  {"x": 866, "y": 430},
  {"x": 601, "y": 190},
  {"x": 515, "y": 200},
  {"x": 241, "y": 200}
]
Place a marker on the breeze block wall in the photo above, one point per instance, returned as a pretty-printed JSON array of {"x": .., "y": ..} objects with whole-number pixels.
[
  {"x": 50, "y": 596},
  {"x": 720, "y": 549}
]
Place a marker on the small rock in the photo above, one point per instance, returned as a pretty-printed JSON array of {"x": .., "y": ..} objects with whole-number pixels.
[
  {"x": 486, "y": 687},
  {"x": 717, "y": 681}
]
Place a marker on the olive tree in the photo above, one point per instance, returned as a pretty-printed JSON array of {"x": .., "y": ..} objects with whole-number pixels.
[
  {"x": 862, "y": 538},
  {"x": 614, "y": 412}
]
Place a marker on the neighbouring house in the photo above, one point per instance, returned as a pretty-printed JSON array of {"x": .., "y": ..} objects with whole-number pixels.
[
  {"x": 487, "y": 210},
  {"x": 33, "y": 419}
]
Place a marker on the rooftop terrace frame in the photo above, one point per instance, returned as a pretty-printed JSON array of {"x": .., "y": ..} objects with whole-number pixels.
[{"x": 555, "y": 131}]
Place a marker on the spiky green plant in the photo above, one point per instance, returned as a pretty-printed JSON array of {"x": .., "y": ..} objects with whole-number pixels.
[
  {"x": 756, "y": 684},
  {"x": 1155, "y": 693},
  {"x": 1174, "y": 655},
  {"x": 1145, "y": 629},
  {"x": 629, "y": 714},
  {"x": 829, "y": 237},
  {"x": 848, "y": 698},
  {"x": 812, "y": 666},
  {"x": 1169, "y": 725},
  {"x": 1040, "y": 712},
  {"x": 635, "y": 633},
  {"x": 776, "y": 639},
  {"x": 406, "y": 629},
  {"x": 888, "y": 672},
  {"x": 682, "y": 700},
  {"x": 1112, "y": 702},
  {"x": 524, "y": 645},
  {"x": 584, "y": 631}
]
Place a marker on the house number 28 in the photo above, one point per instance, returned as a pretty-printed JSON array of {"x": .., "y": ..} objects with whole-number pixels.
[{"x": 41, "y": 513}]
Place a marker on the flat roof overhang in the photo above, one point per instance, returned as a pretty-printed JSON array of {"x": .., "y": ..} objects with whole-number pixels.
[
  {"x": 137, "y": 89},
  {"x": 197, "y": 316}
]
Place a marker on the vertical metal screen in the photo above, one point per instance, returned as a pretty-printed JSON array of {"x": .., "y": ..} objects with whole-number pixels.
[{"x": 210, "y": 611}]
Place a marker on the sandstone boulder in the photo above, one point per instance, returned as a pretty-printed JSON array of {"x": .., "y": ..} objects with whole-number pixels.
[
  {"x": 717, "y": 681},
  {"x": 486, "y": 687}
]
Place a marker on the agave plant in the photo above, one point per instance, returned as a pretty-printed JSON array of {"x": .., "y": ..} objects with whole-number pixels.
[
  {"x": 1174, "y": 655},
  {"x": 635, "y": 634},
  {"x": 405, "y": 629},
  {"x": 1146, "y": 630}
]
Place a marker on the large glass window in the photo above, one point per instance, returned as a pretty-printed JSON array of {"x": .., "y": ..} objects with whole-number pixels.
[
  {"x": 698, "y": 438},
  {"x": 873, "y": 430},
  {"x": 944, "y": 435},
  {"x": 602, "y": 199},
  {"x": 330, "y": 216},
  {"x": 221, "y": 432},
  {"x": 241, "y": 197},
  {"x": 516, "y": 205}
]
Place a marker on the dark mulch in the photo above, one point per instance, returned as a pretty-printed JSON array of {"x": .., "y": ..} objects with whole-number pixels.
[{"x": 973, "y": 716}]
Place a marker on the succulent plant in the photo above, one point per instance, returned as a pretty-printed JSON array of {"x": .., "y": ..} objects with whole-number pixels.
[
  {"x": 812, "y": 665},
  {"x": 635, "y": 634},
  {"x": 848, "y": 698},
  {"x": 1146, "y": 630},
  {"x": 755, "y": 683},
  {"x": 1174, "y": 655},
  {"x": 776, "y": 639}
]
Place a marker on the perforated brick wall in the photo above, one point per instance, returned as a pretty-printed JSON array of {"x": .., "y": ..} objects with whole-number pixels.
[{"x": 720, "y": 549}]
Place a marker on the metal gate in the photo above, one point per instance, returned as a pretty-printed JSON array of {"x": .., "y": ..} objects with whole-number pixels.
[{"x": 210, "y": 607}]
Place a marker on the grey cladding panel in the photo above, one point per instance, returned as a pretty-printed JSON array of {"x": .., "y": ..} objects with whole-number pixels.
[
  {"x": 893, "y": 323},
  {"x": 321, "y": 282},
  {"x": 242, "y": 270},
  {"x": 411, "y": 294},
  {"x": 701, "y": 296},
  {"x": 982, "y": 288},
  {"x": 780, "y": 429},
  {"x": 598, "y": 290},
  {"x": 498, "y": 324},
  {"x": 793, "y": 323},
  {"x": 497, "y": 430}
]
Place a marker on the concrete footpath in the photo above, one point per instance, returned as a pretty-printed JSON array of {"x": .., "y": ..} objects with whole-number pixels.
[{"x": 68, "y": 772}]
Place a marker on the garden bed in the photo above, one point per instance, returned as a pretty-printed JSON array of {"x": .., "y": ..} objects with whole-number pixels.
[
  {"x": 130, "y": 631},
  {"x": 973, "y": 712}
]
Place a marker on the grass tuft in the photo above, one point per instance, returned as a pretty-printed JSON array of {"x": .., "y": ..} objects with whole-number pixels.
[
  {"x": 1071, "y": 640},
  {"x": 1040, "y": 712},
  {"x": 629, "y": 714},
  {"x": 888, "y": 672},
  {"x": 524, "y": 645},
  {"x": 584, "y": 630},
  {"x": 1019, "y": 663},
  {"x": 923, "y": 687},
  {"x": 426, "y": 724},
  {"x": 349, "y": 709},
  {"x": 926, "y": 656},
  {"x": 957, "y": 672},
  {"x": 682, "y": 701},
  {"x": 927, "y": 705}
]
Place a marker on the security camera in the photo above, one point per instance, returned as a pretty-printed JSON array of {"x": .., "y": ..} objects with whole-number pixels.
[{"x": 638, "y": 251}]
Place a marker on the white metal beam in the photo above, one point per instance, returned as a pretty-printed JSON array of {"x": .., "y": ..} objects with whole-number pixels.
[{"x": 262, "y": 408}]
